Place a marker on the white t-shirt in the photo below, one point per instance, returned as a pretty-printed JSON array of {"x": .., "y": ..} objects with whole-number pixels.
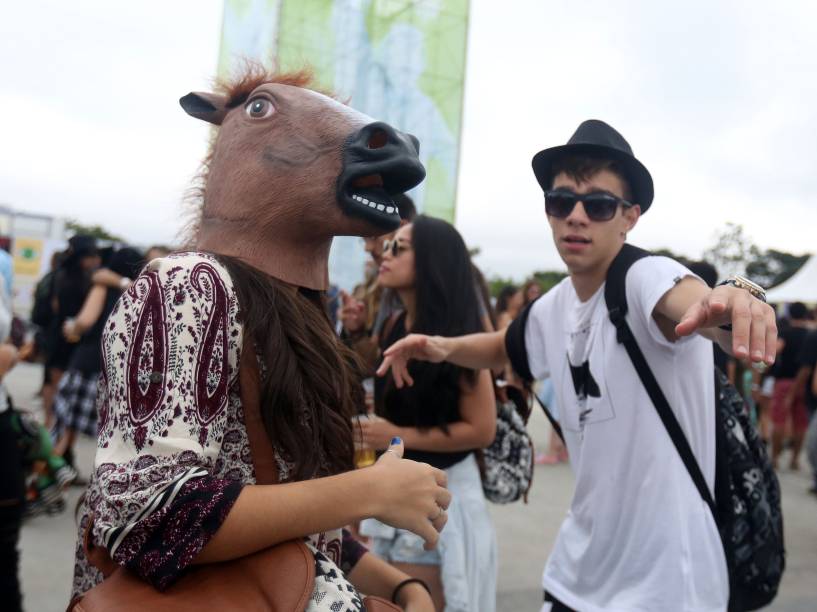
[{"x": 637, "y": 536}]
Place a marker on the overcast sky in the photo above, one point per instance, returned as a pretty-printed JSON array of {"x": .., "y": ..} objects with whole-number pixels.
[{"x": 718, "y": 99}]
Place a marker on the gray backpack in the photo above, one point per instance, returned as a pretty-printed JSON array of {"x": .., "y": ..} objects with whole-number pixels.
[{"x": 507, "y": 464}]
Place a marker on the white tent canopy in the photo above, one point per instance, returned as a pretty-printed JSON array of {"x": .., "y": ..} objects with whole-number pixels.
[{"x": 802, "y": 287}]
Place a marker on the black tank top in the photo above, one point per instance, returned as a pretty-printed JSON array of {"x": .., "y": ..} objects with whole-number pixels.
[
  {"x": 435, "y": 406},
  {"x": 87, "y": 357}
]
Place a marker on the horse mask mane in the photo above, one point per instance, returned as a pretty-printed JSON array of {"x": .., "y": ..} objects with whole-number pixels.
[{"x": 289, "y": 169}]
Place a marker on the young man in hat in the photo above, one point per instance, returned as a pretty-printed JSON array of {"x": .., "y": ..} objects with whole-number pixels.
[{"x": 638, "y": 535}]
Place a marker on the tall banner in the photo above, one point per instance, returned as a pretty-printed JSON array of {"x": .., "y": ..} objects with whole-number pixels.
[{"x": 400, "y": 61}]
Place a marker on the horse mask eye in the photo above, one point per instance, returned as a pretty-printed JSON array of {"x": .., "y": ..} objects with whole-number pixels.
[{"x": 259, "y": 108}]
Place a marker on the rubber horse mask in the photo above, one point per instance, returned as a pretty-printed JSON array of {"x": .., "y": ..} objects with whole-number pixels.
[{"x": 292, "y": 168}]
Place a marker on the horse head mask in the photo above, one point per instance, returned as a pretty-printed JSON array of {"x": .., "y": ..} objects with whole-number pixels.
[{"x": 289, "y": 169}]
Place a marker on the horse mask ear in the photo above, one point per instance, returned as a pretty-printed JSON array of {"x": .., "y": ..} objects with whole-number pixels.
[{"x": 208, "y": 107}]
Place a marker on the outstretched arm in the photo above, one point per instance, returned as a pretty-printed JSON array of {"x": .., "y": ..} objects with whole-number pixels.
[
  {"x": 694, "y": 307},
  {"x": 108, "y": 278},
  {"x": 475, "y": 351}
]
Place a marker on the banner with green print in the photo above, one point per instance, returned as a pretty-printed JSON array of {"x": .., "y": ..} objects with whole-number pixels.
[{"x": 399, "y": 61}]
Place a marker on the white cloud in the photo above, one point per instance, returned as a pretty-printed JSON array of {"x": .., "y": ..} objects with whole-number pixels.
[
  {"x": 718, "y": 99},
  {"x": 93, "y": 129}
]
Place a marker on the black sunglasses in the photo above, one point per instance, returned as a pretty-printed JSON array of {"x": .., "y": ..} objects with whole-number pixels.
[
  {"x": 395, "y": 247},
  {"x": 599, "y": 206}
]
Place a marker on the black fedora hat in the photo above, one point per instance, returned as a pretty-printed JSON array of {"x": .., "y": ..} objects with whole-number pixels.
[
  {"x": 594, "y": 138},
  {"x": 79, "y": 246}
]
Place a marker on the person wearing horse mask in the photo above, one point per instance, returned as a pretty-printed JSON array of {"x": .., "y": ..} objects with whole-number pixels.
[{"x": 199, "y": 333}]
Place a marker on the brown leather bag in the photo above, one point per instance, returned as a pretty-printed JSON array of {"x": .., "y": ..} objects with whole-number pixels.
[{"x": 278, "y": 579}]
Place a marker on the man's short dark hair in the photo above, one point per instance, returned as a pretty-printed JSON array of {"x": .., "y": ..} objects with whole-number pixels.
[
  {"x": 798, "y": 311},
  {"x": 581, "y": 169},
  {"x": 405, "y": 206}
]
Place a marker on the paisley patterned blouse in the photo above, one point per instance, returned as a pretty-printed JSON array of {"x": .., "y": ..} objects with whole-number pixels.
[{"x": 173, "y": 453}]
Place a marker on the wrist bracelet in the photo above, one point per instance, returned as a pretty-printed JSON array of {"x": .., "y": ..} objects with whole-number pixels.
[{"x": 407, "y": 582}]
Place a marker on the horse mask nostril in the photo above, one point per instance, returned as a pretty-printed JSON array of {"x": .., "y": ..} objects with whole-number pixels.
[
  {"x": 378, "y": 139},
  {"x": 415, "y": 142}
]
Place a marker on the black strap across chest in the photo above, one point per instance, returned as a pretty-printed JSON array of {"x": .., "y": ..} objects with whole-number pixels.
[{"x": 615, "y": 295}]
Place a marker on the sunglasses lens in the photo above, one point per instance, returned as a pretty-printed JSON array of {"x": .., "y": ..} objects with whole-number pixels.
[
  {"x": 559, "y": 204},
  {"x": 600, "y": 207}
]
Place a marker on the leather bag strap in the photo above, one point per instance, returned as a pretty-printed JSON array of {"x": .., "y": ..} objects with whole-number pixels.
[
  {"x": 263, "y": 457},
  {"x": 97, "y": 556}
]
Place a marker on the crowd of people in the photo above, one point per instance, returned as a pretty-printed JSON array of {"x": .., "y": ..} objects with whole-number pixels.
[
  {"x": 423, "y": 356},
  {"x": 71, "y": 305}
]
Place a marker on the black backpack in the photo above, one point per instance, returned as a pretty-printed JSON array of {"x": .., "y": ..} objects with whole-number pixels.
[{"x": 746, "y": 506}]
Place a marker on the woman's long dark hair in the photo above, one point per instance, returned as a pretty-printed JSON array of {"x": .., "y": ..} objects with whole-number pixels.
[
  {"x": 310, "y": 384},
  {"x": 505, "y": 295},
  {"x": 446, "y": 302}
]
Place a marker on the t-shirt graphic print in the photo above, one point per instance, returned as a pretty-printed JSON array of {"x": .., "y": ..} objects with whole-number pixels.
[{"x": 585, "y": 379}]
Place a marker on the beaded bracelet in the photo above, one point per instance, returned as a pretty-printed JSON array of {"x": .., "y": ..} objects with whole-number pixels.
[{"x": 407, "y": 582}]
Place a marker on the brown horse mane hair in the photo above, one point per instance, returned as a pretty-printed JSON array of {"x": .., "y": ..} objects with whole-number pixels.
[
  {"x": 252, "y": 75},
  {"x": 237, "y": 90},
  {"x": 310, "y": 381}
]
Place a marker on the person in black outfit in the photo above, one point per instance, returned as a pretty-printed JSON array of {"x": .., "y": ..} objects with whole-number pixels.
[
  {"x": 788, "y": 400},
  {"x": 447, "y": 415},
  {"x": 71, "y": 284},
  {"x": 75, "y": 405},
  {"x": 807, "y": 377},
  {"x": 12, "y": 486}
]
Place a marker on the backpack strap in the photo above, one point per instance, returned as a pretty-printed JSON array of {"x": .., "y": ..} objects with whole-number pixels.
[
  {"x": 615, "y": 295},
  {"x": 263, "y": 457},
  {"x": 553, "y": 422},
  {"x": 515, "y": 344}
]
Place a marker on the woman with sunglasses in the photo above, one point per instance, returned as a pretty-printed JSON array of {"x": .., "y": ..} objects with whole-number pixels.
[{"x": 447, "y": 415}]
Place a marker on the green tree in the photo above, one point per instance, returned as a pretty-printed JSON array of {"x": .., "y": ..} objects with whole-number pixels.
[
  {"x": 97, "y": 231},
  {"x": 496, "y": 284},
  {"x": 772, "y": 267},
  {"x": 732, "y": 251},
  {"x": 735, "y": 253},
  {"x": 548, "y": 279}
]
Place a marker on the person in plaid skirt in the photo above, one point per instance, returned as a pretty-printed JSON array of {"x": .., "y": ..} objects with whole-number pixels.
[{"x": 75, "y": 404}]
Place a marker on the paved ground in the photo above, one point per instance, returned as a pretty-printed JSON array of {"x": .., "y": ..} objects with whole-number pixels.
[{"x": 525, "y": 532}]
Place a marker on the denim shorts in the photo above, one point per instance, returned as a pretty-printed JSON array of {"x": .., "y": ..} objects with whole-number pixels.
[
  {"x": 398, "y": 545},
  {"x": 466, "y": 552}
]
